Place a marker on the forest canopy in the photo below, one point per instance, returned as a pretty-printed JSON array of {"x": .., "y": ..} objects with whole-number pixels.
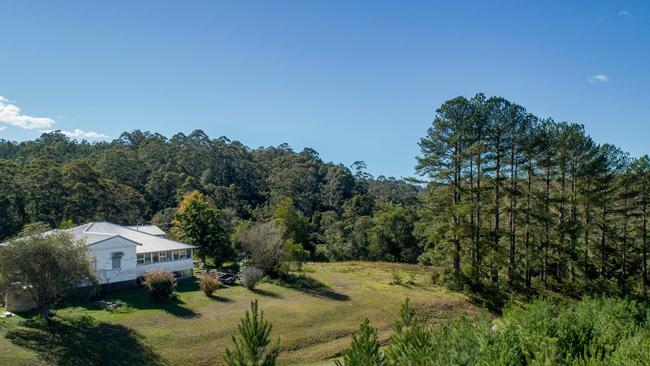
[{"x": 509, "y": 198}]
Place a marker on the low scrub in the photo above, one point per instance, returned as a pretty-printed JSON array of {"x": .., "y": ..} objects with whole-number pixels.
[
  {"x": 591, "y": 332},
  {"x": 160, "y": 284},
  {"x": 208, "y": 284},
  {"x": 250, "y": 276}
]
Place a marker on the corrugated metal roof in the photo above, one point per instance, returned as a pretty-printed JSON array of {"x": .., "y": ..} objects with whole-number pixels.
[
  {"x": 149, "y": 229},
  {"x": 95, "y": 232},
  {"x": 99, "y": 231}
]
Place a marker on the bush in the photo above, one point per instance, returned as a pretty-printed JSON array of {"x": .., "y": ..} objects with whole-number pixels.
[
  {"x": 250, "y": 276},
  {"x": 208, "y": 284},
  {"x": 262, "y": 244},
  {"x": 591, "y": 332},
  {"x": 397, "y": 278},
  {"x": 160, "y": 284}
]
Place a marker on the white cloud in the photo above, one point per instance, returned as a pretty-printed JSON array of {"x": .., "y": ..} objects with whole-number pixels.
[
  {"x": 599, "y": 78},
  {"x": 624, "y": 13},
  {"x": 2, "y": 128},
  {"x": 10, "y": 114},
  {"x": 77, "y": 133}
]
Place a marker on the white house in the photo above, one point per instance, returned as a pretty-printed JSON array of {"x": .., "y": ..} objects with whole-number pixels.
[{"x": 122, "y": 254}]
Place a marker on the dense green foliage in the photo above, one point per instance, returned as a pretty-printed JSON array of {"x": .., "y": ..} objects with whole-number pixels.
[
  {"x": 532, "y": 200},
  {"x": 46, "y": 267},
  {"x": 364, "y": 350},
  {"x": 143, "y": 177},
  {"x": 590, "y": 332},
  {"x": 253, "y": 347},
  {"x": 509, "y": 196},
  {"x": 197, "y": 222}
]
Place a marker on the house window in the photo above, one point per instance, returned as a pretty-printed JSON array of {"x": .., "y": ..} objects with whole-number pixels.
[
  {"x": 140, "y": 259},
  {"x": 177, "y": 255},
  {"x": 181, "y": 254},
  {"x": 154, "y": 257},
  {"x": 116, "y": 260},
  {"x": 147, "y": 258},
  {"x": 162, "y": 256}
]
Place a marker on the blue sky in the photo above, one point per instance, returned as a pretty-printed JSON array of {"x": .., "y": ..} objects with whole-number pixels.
[{"x": 355, "y": 80}]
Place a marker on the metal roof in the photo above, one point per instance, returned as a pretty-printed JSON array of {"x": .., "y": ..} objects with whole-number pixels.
[
  {"x": 149, "y": 229},
  {"x": 99, "y": 231}
]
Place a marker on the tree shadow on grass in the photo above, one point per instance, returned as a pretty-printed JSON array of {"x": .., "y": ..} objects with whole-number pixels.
[
  {"x": 82, "y": 341},
  {"x": 174, "y": 306},
  {"x": 219, "y": 298},
  {"x": 267, "y": 293},
  {"x": 311, "y": 286},
  {"x": 138, "y": 298}
]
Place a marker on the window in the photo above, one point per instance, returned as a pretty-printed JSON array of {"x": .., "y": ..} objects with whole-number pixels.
[
  {"x": 162, "y": 256},
  {"x": 181, "y": 254},
  {"x": 116, "y": 260},
  {"x": 147, "y": 258},
  {"x": 140, "y": 259},
  {"x": 154, "y": 257},
  {"x": 177, "y": 255}
]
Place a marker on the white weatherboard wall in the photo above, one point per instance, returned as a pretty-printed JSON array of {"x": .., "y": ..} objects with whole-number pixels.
[
  {"x": 103, "y": 253},
  {"x": 171, "y": 266}
]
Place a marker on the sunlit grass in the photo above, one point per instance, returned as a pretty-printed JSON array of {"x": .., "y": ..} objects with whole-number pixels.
[{"x": 314, "y": 325}]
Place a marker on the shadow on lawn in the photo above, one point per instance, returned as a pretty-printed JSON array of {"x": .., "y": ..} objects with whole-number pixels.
[
  {"x": 310, "y": 286},
  {"x": 138, "y": 298},
  {"x": 267, "y": 293},
  {"x": 84, "y": 341}
]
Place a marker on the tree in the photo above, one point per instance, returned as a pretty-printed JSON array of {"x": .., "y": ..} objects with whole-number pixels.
[
  {"x": 392, "y": 235},
  {"x": 295, "y": 224},
  {"x": 12, "y": 209},
  {"x": 199, "y": 223},
  {"x": 642, "y": 169},
  {"x": 443, "y": 153},
  {"x": 253, "y": 348},
  {"x": 364, "y": 350},
  {"x": 48, "y": 266},
  {"x": 262, "y": 244}
]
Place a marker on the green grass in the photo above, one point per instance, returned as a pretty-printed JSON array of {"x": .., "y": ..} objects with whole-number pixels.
[{"x": 314, "y": 324}]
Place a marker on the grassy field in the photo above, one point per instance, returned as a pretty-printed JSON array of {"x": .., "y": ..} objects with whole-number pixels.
[{"x": 314, "y": 325}]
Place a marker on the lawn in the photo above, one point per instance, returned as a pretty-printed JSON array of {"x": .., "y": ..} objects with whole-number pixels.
[{"x": 314, "y": 324}]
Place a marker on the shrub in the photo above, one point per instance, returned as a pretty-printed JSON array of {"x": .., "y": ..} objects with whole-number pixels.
[
  {"x": 295, "y": 255},
  {"x": 250, "y": 276},
  {"x": 590, "y": 332},
  {"x": 208, "y": 284},
  {"x": 397, "y": 278},
  {"x": 412, "y": 278},
  {"x": 160, "y": 284}
]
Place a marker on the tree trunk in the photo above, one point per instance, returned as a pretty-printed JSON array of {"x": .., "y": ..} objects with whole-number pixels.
[
  {"x": 645, "y": 252},
  {"x": 497, "y": 203},
  {"x": 511, "y": 216},
  {"x": 527, "y": 233}
]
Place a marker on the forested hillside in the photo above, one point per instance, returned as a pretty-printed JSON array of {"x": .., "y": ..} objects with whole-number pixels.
[
  {"x": 511, "y": 199},
  {"x": 142, "y": 176}
]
